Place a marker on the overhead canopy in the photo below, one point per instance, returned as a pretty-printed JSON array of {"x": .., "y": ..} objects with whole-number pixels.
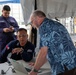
[
  {"x": 27, "y": 8},
  {"x": 9, "y": 1},
  {"x": 58, "y": 8},
  {"x": 52, "y": 8}
]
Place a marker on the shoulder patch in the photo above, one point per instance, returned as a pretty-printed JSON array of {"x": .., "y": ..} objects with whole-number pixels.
[
  {"x": 7, "y": 47},
  {"x": 29, "y": 50}
]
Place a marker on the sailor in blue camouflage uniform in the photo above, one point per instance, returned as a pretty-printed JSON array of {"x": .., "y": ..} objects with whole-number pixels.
[
  {"x": 56, "y": 45},
  {"x": 8, "y": 26},
  {"x": 20, "y": 49}
]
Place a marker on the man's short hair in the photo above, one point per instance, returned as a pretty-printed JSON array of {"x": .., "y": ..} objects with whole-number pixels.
[
  {"x": 39, "y": 13},
  {"x": 21, "y": 29},
  {"x": 7, "y": 8}
]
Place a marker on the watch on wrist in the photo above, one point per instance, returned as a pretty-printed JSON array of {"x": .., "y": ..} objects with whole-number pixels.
[{"x": 34, "y": 70}]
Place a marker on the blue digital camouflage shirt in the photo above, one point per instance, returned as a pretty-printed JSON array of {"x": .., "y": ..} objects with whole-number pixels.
[{"x": 61, "y": 50}]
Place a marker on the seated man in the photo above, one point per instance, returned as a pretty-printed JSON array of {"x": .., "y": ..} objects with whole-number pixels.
[{"x": 19, "y": 49}]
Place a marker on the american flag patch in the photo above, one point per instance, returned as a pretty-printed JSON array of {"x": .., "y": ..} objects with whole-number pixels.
[
  {"x": 7, "y": 47},
  {"x": 29, "y": 50}
]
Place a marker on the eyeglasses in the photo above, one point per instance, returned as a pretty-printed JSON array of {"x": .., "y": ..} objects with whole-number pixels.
[{"x": 30, "y": 23}]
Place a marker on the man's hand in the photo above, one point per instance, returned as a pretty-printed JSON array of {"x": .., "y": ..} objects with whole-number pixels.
[
  {"x": 32, "y": 73},
  {"x": 10, "y": 29},
  {"x": 17, "y": 50},
  {"x": 40, "y": 60},
  {"x": 6, "y": 30}
]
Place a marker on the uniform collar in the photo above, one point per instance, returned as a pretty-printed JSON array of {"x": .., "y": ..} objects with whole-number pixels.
[{"x": 18, "y": 44}]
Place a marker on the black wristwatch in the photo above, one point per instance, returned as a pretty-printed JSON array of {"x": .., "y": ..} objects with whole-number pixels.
[{"x": 34, "y": 70}]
